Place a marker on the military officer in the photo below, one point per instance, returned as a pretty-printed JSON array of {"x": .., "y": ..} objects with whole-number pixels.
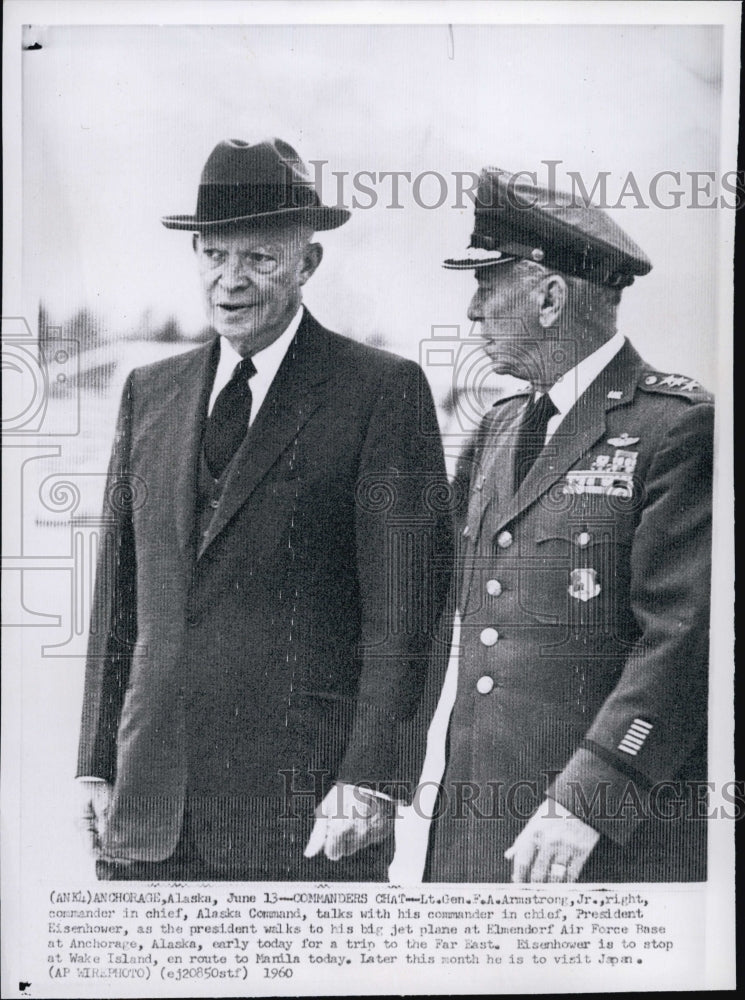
[{"x": 577, "y": 743}]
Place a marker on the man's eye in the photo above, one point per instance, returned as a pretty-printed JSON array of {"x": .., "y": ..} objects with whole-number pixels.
[
  {"x": 212, "y": 255},
  {"x": 262, "y": 263}
]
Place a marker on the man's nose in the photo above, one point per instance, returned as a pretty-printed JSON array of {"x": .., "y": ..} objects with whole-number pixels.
[
  {"x": 234, "y": 274},
  {"x": 475, "y": 312}
]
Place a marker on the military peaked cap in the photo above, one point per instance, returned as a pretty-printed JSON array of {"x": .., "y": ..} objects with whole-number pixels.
[{"x": 516, "y": 219}]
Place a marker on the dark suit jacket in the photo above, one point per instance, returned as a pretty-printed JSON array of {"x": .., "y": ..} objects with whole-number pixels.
[
  {"x": 249, "y": 669},
  {"x": 595, "y": 689}
]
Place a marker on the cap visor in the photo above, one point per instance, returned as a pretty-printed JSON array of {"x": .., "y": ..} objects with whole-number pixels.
[{"x": 471, "y": 263}]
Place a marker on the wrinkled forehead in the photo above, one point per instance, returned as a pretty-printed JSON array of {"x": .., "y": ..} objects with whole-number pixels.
[{"x": 256, "y": 234}]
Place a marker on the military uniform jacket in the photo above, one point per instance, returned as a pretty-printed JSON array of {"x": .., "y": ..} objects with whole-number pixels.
[
  {"x": 284, "y": 648},
  {"x": 584, "y": 601}
]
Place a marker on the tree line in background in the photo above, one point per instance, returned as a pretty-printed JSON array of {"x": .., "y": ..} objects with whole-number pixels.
[
  {"x": 98, "y": 350},
  {"x": 91, "y": 332}
]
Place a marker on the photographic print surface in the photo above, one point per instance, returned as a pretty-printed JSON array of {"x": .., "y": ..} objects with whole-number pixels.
[{"x": 309, "y": 538}]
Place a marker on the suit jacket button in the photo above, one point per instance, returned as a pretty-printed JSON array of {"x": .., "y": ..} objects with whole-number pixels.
[
  {"x": 466, "y": 531},
  {"x": 489, "y": 636},
  {"x": 484, "y": 685},
  {"x": 493, "y": 588},
  {"x": 504, "y": 539},
  {"x": 193, "y": 618},
  {"x": 214, "y": 504}
]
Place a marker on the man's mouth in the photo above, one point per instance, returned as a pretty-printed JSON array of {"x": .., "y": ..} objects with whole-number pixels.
[{"x": 233, "y": 307}]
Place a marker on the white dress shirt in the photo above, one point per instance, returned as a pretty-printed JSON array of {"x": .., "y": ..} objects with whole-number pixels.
[
  {"x": 566, "y": 391},
  {"x": 266, "y": 361}
]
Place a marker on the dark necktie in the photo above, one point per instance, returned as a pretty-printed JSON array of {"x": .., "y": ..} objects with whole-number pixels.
[
  {"x": 228, "y": 422},
  {"x": 532, "y": 435}
]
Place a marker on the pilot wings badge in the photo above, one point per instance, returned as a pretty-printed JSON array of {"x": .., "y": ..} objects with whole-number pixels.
[
  {"x": 583, "y": 584},
  {"x": 624, "y": 441}
]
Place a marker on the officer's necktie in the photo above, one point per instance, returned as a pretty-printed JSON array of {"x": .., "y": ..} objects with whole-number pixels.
[
  {"x": 532, "y": 435},
  {"x": 228, "y": 422}
]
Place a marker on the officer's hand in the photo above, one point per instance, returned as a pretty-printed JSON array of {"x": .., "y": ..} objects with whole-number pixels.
[
  {"x": 552, "y": 847},
  {"x": 94, "y": 799},
  {"x": 348, "y": 819}
]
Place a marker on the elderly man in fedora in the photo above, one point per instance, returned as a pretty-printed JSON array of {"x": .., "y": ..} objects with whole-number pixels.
[
  {"x": 266, "y": 595},
  {"x": 577, "y": 743}
]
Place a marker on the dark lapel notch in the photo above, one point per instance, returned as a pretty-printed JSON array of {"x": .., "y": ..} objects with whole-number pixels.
[{"x": 292, "y": 398}]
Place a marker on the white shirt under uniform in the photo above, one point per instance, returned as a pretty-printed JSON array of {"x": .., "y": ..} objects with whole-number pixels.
[{"x": 566, "y": 391}]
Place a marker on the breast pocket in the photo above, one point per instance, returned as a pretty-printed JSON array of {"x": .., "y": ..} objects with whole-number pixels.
[{"x": 588, "y": 564}]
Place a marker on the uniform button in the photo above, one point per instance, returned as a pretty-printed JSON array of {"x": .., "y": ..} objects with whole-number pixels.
[
  {"x": 214, "y": 504},
  {"x": 484, "y": 685},
  {"x": 489, "y": 636},
  {"x": 493, "y": 588},
  {"x": 583, "y": 539},
  {"x": 466, "y": 531},
  {"x": 504, "y": 539}
]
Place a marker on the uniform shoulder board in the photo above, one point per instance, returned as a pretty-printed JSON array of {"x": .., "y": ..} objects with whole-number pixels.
[{"x": 675, "y": 385}]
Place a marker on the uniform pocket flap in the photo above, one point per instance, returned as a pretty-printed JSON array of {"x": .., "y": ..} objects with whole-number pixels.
[{"x": 586, "y": 535}]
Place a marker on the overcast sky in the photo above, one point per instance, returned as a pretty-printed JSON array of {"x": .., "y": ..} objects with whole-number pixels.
[{"x": 119, "y": 121}]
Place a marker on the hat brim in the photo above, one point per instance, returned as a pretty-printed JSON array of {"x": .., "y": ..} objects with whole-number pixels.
[{"x": 321, "y": 218}]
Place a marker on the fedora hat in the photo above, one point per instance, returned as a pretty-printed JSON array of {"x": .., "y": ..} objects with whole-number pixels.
[{"x": 264, "y": 180}]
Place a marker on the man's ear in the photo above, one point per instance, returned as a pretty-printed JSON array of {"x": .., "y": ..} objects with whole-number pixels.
[
  {"x": 312, "y": 257},
  {"x": 554, "y": 295},
  {"x": 194, "y": 241}
]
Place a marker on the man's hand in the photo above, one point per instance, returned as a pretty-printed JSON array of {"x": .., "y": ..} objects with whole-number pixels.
[
  {"x": 94, "y": 799},
  {"x": 552, "y": 847},
  {"x": 348, "y": 819}
]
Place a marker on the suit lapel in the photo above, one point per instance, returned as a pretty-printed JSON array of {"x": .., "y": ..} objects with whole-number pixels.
[
  {"x": 581, "y": 428},
  {"x": 186, "y": 409},
  {"x": 292, "y": 399}
]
